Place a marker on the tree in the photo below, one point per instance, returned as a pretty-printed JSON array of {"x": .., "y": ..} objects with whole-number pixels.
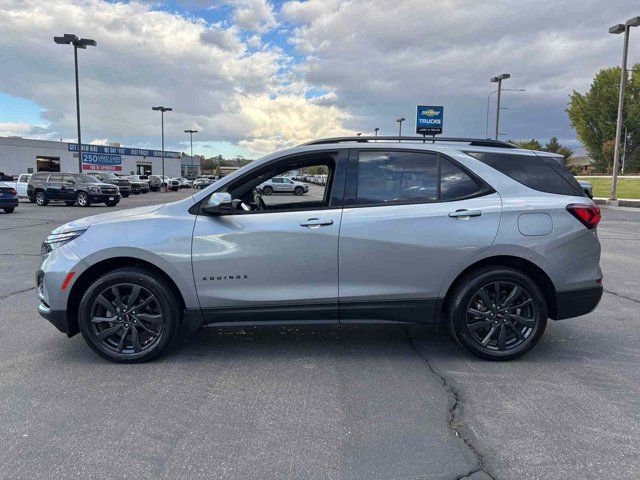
[
  {"x": 532, "y": 144},
  {"x": 554, "y": 146},
  {"x": 593, "y": 116}
]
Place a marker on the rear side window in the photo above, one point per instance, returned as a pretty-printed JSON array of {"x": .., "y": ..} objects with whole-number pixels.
[
  {"x": 539, "y": 173},
  {"x": 55, "y": 177},
  {"x": 399, "y": 177}
]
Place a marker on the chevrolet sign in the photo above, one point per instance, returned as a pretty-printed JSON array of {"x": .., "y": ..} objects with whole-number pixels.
[{"x": 429, "y": 120}]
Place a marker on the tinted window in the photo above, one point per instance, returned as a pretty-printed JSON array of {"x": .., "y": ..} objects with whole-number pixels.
[
  {"x": 55, "y": 177},
  {"x": 83, "y": 178},
  {"x": 538, "y": 173},
  {"x": 67, "y": 179},
  {"x": 392, "y": 177},
  {"x": 455, "y": 184}
]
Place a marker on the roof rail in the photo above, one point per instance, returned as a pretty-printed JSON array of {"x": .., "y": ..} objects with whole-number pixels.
[{"x": 476, "y": 142}]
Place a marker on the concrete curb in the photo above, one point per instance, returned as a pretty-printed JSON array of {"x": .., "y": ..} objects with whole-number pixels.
[{"x": 621, "y": 202}]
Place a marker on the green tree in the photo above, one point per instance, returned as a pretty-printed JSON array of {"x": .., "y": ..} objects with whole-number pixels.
[
  {"x": 554, "y": 146},
  {"x": 593, "y": 116},
  {"x": 532, "y": 144}
]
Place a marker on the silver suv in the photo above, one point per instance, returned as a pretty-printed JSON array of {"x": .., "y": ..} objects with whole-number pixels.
[
  {"x": 489, "y": 239},
  {"x": 283, "y": 185}
]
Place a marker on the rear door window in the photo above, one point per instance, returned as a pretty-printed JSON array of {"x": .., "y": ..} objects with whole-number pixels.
[{"x": 543, "y": 174}]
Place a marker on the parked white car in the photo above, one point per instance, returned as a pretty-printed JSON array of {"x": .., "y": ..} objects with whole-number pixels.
[{"x": 21, "y": 184}]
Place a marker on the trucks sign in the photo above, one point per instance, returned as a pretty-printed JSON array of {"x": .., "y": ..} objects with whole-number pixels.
[
  {"x": 429, "y": 120},
  {"x": 101, "y": 161}
]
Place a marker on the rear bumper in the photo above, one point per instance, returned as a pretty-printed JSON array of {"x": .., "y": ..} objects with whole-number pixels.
[
  {"x": 573, "y": 303},
  {"x": 8, "y": 202}
]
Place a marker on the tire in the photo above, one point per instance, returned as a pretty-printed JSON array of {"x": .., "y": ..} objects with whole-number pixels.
[
  {"x": 82, "y": 199},
  {"x": 41, "y": 199},
  {"x": 298, "y": 191},
  {"x": 110, "y": 204},
  {"x": 136, "y": 192},
  {"x": 144, "y": 191},
  {"x": 486, "y": 339},
  {"x": 70, "y": 203},
  {"x": 267, "y": 190},
  {"x": 125, "y": 194},
  {"x": 162, "y": 315},
  {"x": 31, "y": 200},
  {"x": 9, "y": 209}
]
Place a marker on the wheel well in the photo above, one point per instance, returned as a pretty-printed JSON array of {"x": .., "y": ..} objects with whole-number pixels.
[
  {"x": 536, "y": 273},
  {"x": 92, "y": 273}
]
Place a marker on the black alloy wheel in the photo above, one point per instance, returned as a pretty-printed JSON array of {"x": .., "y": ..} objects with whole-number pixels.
[
  {"x": 497, "y": 313},
  {"x": 129, "y": 315},
  {"x": 267, "y": 190},
  {"x": 298, "y": 191}
]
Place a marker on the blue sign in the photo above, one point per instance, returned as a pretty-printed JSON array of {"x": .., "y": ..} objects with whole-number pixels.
[
  {"x": 101, "y": 161},
  {"x": 134, "y": 152},
  {"x": 429, "y": 120}
]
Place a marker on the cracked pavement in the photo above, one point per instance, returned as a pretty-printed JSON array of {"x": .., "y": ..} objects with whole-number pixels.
[{"x": 347, "y": 402}]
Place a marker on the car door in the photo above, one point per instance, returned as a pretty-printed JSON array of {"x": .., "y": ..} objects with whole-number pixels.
[
  {"x": 53, "y": 187},
  {"x": 410, "y": 218},
  {"x": 68, "y": 188},
  {"x": 272, "y": 264},
  {"x": 287, "y": 185}
]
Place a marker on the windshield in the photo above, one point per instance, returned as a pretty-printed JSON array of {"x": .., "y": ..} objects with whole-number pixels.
[{"x": 83, "y": 178}]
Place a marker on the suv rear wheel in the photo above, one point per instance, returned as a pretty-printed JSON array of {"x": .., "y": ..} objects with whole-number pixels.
[
  {"x": 497, "y": 313},
  {"x": 129, "y": 315},
  {"x": 267, "y": 190},
  {"x": 298, "y": 191},
  {"x": 83, "y": 199},
  {"x": 41, "y": 198}
]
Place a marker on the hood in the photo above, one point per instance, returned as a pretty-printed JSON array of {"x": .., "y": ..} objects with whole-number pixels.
[{"x": 84, "y": 223}]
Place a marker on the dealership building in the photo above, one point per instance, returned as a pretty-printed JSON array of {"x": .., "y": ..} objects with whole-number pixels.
[{"x": 21, "y": 155}]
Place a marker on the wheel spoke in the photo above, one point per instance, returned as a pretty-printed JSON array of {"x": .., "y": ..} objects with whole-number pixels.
[
  {"x": 515, "y": 293},
  {"x": 145, "y": 303},
  {"x": 147, "y": 329},
  {"x": 478, "y": 325},
  {"x": 487, "y": 339},
  {"x": 107, "y": 332},
  {"x": 479, "y": 313},
  {"x": 484, "y": 296},
  {"x": 135, "y": 292},
  {"x": 502, "y": 337},
  {"x": 103, "y": 319},
  {"x": 527, "y": 322},
  {"x": 497, "y": 288},
  {"x": 135, "y": 340},
  {"x": 520, "y": 305},
  {"x": 147, "y": 317},
  {"x": 116, "y": 293},
  {"x": 121, "y": 342},
  {"x": 107, "y": 304},
  {"x": 517, "y": 332}
]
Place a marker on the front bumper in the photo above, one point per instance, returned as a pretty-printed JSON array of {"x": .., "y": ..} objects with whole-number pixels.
[
  {"x": 58, "y": 318},
  {"x": 104, "y": 197},
  {"x": 573, "y": 303}
]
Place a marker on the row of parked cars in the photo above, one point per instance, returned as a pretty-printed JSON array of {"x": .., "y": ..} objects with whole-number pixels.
[{"x": 82, "y": 189}]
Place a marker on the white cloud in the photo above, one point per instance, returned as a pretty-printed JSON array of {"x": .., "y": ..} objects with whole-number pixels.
[{"x": 253, "y": 15}]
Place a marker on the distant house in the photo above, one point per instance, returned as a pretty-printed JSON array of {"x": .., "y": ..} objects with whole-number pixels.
[{"x": 584, "y": 163}]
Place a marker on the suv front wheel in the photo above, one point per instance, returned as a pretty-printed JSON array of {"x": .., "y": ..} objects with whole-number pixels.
[
  {"x": 41, "y": 199},
  {"x": 497, "y": 313},
  {"x": 129, "y": 315},
  {"x": 83, "y": 199}
]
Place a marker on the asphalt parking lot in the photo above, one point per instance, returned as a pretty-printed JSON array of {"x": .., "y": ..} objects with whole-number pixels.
[{"x": 343, "y": 402}]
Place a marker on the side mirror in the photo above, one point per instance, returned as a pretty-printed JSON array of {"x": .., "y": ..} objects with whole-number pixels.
[{"x": 219, "y": 203}]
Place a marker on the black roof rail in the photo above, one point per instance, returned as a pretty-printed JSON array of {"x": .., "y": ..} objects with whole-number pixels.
[{"x": 476, "y": 142}]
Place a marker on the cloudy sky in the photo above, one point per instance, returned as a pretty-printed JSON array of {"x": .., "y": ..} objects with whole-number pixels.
[{"x": 257, "y": 75}]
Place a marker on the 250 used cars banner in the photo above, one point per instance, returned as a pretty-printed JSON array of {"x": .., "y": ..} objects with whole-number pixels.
[{"x": 101, "y": 161}]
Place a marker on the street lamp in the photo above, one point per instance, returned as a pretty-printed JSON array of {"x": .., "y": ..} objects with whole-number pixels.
[
  {"x": 617, "y": 29},
  {"x": 486, "y": 125},
  {"x": 191, "y": 132},
  {"x": 162, "y": 109},
  {"x": 400, "y": 120},
  {"x": 498, "y": 80},
  {"x": 375, "y": 130},
  {"x": 71, "y": 39}
]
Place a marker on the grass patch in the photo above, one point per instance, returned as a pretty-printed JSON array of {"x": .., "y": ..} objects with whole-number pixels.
[{"x": 627, "y": 187}]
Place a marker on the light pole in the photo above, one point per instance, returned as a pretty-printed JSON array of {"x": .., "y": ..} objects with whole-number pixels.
[
  {"x": 400, "y": 120},
  {"x": 191, "y": 132},
  {"x": 498, "y": 80},
  {"x": 486, "y": 125},
  {"x": 71, "y": 39},
  {"x": 162, "y": 109},
  {"x": 375, "y": 130},
  {"x": 617, "y": 29}
]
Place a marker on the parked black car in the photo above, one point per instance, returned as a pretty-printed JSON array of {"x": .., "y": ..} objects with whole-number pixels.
[
  {"x": 8, "y": 197},
  {"x": 138, "y": 185},
  {"x": 123, "y": 184},
  {"x": 71, "y": 188}
]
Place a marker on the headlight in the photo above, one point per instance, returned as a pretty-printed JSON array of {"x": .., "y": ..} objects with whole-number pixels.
[
  {"x": 94, "y": 188},
  {"x": 56, "y": 240}
]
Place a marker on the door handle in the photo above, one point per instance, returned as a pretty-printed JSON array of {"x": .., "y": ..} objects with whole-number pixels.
[
  {"x": 464, "y": 214},
  {"x": 316, "y": 222}
]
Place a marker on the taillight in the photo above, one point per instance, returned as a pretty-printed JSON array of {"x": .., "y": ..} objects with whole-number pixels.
[
  {"x": 589, "y": 215},
  {"x": 13, "y": 191}
]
